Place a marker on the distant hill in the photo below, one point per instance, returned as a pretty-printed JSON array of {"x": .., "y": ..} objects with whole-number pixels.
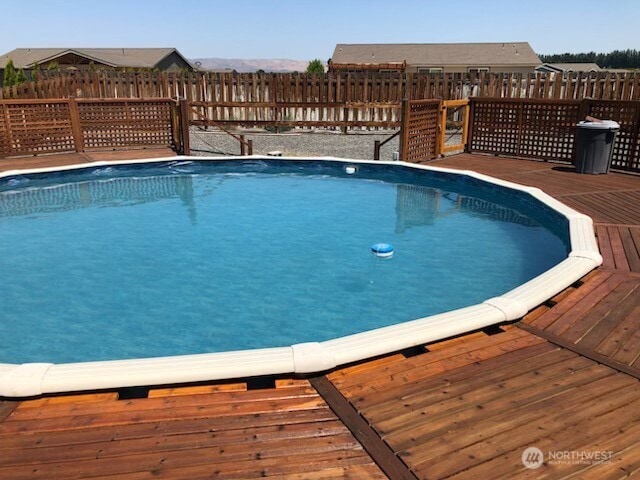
[{"x": 248, "y": 65}]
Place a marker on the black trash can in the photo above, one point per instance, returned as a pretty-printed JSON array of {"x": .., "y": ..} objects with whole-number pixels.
[{"x": 594, "y": 146}]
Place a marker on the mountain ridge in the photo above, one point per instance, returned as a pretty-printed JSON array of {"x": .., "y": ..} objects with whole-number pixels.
[{"x": 244, "y": 65}]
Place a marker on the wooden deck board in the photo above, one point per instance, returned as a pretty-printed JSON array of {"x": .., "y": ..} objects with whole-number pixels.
[
  {"x": 437, "y": 408},
  {"x": 609, "y": 434},
  {"x": 603, "y": 316},
  {"x": 518, "y": 432},
  {"x": 384, "y": 404},
  {"x": 402, "y": 371},
  {"x": 475, "y": 421},
  {"x": 235, "y": 433},
  {"x": 630, "y": 238}
]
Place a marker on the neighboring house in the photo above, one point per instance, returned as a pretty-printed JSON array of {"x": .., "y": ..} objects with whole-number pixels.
[
  {"x": 435, "y": 57},
  {"x": 567, "y": 67},
  {"x": 69, "y": 59},
  {"x": 619, "y": 70}
]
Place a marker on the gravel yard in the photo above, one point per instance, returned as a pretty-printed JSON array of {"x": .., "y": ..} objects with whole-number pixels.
[
  {"x": 301, "y": 143},
  {"x": 296, "y": 143}
]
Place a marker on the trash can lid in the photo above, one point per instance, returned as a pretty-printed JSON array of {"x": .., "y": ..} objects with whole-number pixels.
[{"x": 603, "y": 125}]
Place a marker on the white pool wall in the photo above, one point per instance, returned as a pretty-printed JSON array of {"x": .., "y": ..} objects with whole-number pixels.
[{"x": 32, "y": 379}]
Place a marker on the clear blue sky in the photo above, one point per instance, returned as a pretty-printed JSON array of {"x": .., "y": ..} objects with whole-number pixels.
[{"x": 304, "y": 30}]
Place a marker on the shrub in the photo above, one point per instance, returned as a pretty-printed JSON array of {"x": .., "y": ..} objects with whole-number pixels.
[
  {"x": 20, "y": 77},
  {"x": 35, "y": 73},
  {"x": 9, "y": 75},
  {"x": 315, "y": 66}
]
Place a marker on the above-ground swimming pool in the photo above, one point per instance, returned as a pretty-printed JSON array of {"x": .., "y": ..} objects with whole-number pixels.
[{"x": 192, "y": 269}]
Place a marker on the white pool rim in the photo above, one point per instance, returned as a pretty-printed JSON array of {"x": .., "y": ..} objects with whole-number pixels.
[{"x": 33, "y": 379}]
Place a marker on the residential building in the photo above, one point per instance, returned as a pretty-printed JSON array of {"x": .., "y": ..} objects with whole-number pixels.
[
  {"x": 567, "y": 67},
  {"x": 435, "y": 57},
  {"x": 71, "y": 59}
]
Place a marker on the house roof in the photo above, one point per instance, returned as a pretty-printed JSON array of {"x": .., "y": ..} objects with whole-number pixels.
[
  {"x": 571, "y": 67},
  {"x": 437, "y": 54},
  {"x": 114, "y": 57}
]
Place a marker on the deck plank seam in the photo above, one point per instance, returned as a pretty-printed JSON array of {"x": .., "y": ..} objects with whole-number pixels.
[{"x": 379, "y": 451}]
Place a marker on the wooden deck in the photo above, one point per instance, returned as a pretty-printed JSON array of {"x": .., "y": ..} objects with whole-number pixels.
[
  {"x": 210, "y": 432},
  {"x": 42, "y": 161},
  {"x": 564, "y": 379}
]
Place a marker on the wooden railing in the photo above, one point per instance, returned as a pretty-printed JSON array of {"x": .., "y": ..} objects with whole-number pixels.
[
  {"x": 546, "y": 129},
  {"x": 32, "y": 127}
]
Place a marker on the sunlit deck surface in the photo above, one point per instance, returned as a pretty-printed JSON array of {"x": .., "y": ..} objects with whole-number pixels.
[{"x": 563, "y": 379}]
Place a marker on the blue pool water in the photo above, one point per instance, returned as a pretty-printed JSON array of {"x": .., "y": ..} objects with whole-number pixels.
[{"x": 183, "y": 258}]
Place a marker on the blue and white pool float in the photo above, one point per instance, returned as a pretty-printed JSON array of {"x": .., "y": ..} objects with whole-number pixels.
[{"x": 383, "y": 250}]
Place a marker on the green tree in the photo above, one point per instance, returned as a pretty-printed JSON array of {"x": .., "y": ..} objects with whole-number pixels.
[
  {"x": 9, "y": 75},
  {"x": 35, "y": 73},
  {"x": 53, "y": 66},
  {"x": 315, "y": 66},
  {"x": 20, "y": 77},
  {"x": 617, "y": 59}
]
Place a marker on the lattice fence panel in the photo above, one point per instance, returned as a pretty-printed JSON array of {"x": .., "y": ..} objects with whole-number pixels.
[
  {"x": 123, "y": 124},
  {"x": 4, "y": 134},
  {"x": 420, "y": 131},
  {"x": 495, "y": 127},
  {"x": 626, "y": 150},
  {"x": 548, "y": 130},
  {"x": 30, "y": 128}
]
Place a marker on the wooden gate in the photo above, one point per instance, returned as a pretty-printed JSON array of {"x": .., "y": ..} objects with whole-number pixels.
[{"x": 454, "y": 116}]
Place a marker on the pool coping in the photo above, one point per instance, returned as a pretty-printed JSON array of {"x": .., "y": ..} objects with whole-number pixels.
[{"x": 32, "y": 379}]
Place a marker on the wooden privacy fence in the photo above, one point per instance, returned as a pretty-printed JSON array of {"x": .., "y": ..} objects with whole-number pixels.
[
  {"x": 31, "y": 127},
  {"x": 546, "y": 129},
  {"x": 329, "y": 87},
  {"x": 344, "y": 115}
]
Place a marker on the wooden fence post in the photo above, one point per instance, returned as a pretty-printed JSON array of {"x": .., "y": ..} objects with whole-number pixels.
[
  {"x": 470, "y": 114},
  {"x": 345, "y": 114},
  {"x": 404, "y": 113},
  {"x": 520, "y": 125},
  {"x": 250, "y": 146},
  {"x": 184, "y": 126},
  {"x": 584, "y": 109},
  {"x": 376, "y": 150},
  {"x": 242, "y": 146},
  {"x": 442, "y": 125},
  {"x": 76, "y": 129}
]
